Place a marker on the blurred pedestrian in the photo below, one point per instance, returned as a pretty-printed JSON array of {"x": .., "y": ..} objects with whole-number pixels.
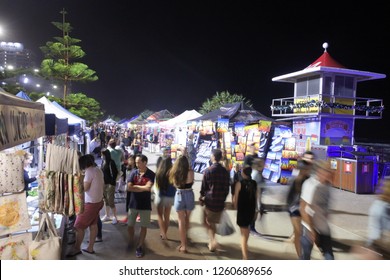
[
  {"x": 129, "y": 168},
  {"x": 164, "y": 196},
  {"x": 314, "y": 210},
  {"x": 182, "y": 177},
  {"x": 246, "y": 205},
  {"x": 191, "y": 150},
  {"x": 293, "y": 201},
  {"x": 235, "y": 176},
  {"x": 110, "y": 173},
  {"x": 213, "y": 193},
  {"x": 27, "y": 160},
  {"x": 379, "y": 223}
]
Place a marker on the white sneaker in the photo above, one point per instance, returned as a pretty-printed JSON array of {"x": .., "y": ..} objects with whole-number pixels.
[
  {"x": 105, "y": 218},
  {"x": 114, "y": 221}
]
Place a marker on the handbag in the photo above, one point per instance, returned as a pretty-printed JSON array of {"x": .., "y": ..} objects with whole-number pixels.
[
  {"x": 48, "y": 248},
  {"x": 225, "y": 226}
]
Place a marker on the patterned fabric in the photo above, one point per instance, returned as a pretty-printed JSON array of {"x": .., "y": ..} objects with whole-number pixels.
[
  {"x": 70, "y": 193},
  {"x": 78, "y": 195},
  {"x": 11, "y": 175},
  {"x": 15, "y": 247},
  {"x": 65, "y": 193},
  {"x": 13, "y": 213}
]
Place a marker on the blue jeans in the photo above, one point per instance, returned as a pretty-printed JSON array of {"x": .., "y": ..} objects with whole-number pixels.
[{"x": 324, "y": 242}]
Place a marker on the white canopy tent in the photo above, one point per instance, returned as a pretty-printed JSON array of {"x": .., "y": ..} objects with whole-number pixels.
[
  {"x": 180, "y": 120},
  {"x": 179, "y": 124},
  {"x": 60, "y": 112}
]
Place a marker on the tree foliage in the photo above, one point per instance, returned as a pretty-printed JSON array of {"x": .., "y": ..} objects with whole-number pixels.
[
  {"x": 60, "y": 62},
  {"x": 79, "y": 104},
  {"x": 220, "y": 99}
]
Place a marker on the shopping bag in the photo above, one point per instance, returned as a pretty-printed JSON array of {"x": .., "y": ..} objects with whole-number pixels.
[
  {"x": 225, "y": 226},
  {"x": 47, "y": 243}
]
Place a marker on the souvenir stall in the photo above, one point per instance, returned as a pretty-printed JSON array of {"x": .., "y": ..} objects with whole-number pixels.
[
  {"x": 21, "y": 121},
  {"x": 323, "y": 111},
  {"x": 153, "y": 130},
  {"x": 232, "y": 127},
  {"x": 179, "y": 126}
]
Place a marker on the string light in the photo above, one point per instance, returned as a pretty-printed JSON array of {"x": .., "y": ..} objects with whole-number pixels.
[{"x": 324, "y": 105}]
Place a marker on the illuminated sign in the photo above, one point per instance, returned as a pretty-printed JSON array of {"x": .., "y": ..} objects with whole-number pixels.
[{"x": 11, "y": 46}]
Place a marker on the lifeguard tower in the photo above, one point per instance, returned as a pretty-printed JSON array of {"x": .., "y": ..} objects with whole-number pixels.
[{"x": 323, "y": 111}]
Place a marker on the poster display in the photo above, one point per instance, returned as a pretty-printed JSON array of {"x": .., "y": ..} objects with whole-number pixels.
[
  {"x": 279, "y": 161},
  {"x": 204, "y": 149}
]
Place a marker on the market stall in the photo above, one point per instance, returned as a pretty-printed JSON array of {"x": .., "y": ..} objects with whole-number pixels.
[
  {"x": 21, "y": 122},
  {"x": 231, "y": 127}
]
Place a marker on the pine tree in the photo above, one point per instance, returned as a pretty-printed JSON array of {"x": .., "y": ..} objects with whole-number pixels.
[{"x": 60, "y": 62}]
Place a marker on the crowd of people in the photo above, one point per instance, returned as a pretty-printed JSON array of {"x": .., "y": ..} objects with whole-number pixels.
[{"x": 123, "y": 163}]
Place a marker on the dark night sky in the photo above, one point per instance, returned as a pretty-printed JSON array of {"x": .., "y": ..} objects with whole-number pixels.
[{"x": 174, "y": 54}]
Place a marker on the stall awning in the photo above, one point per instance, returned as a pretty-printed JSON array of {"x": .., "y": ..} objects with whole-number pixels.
[{"x": 20, "y": 120}]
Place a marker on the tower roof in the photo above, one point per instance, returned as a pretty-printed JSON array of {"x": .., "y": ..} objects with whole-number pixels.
[
  {"x": 325, "y": 60},
  {"x": 326, "y": 64}
]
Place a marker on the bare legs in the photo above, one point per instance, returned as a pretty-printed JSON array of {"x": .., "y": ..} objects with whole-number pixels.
[
  {"x": 164, "y": 214},
  {"x": 297, "y": 227},
  {"x": 244, "y": 242},
  {"x": 211, "y": 228},
  {"x": 184, "y": 225},
  {"x": 80, "y": 233}
]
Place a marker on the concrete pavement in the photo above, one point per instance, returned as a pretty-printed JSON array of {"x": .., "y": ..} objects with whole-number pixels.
[{"x": 348, "y": 223}]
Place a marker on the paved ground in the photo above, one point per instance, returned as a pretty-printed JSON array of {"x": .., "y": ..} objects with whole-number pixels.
[{"x": 348, "y": 224}]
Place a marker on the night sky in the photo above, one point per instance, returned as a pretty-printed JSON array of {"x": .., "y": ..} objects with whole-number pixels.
[{"x": 175, "y": 54}]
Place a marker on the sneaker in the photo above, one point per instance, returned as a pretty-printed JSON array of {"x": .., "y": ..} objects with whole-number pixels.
[
  {"x": 123, "y": 221},
  {"x": 105, "y": 218},
  {"x": 139, "y": 252},
  {"x": 114, "y": 221},
  {"x": 254, "y": 232}
]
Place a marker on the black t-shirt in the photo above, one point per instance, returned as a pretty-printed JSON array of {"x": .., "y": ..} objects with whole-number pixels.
[{"x": 141, "y": 200}]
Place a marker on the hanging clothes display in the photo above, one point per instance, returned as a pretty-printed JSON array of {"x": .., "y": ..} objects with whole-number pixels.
[{"x": 59, "y": 186}]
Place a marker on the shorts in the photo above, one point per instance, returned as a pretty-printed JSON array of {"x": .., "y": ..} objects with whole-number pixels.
[
  {"x": 109, "y": 195},
  {"x": 295, "y": 213},
  {"x": 89, "y": 216},
  {"x": 212, "y": 217},
  {"x": 143, "y": 214},
  {"x": 164, "y": 201},
  {"x": 184, "y": 200}
]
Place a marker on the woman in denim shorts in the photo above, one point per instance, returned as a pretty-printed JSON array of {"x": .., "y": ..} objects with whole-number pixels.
[{"x": 182, "y": 177}]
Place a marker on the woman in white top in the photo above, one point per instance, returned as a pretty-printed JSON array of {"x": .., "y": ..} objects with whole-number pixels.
[{"x": 93, "y": 197}]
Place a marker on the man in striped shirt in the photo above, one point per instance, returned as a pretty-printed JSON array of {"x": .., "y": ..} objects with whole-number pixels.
[{"x": 213, "y": 193}]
